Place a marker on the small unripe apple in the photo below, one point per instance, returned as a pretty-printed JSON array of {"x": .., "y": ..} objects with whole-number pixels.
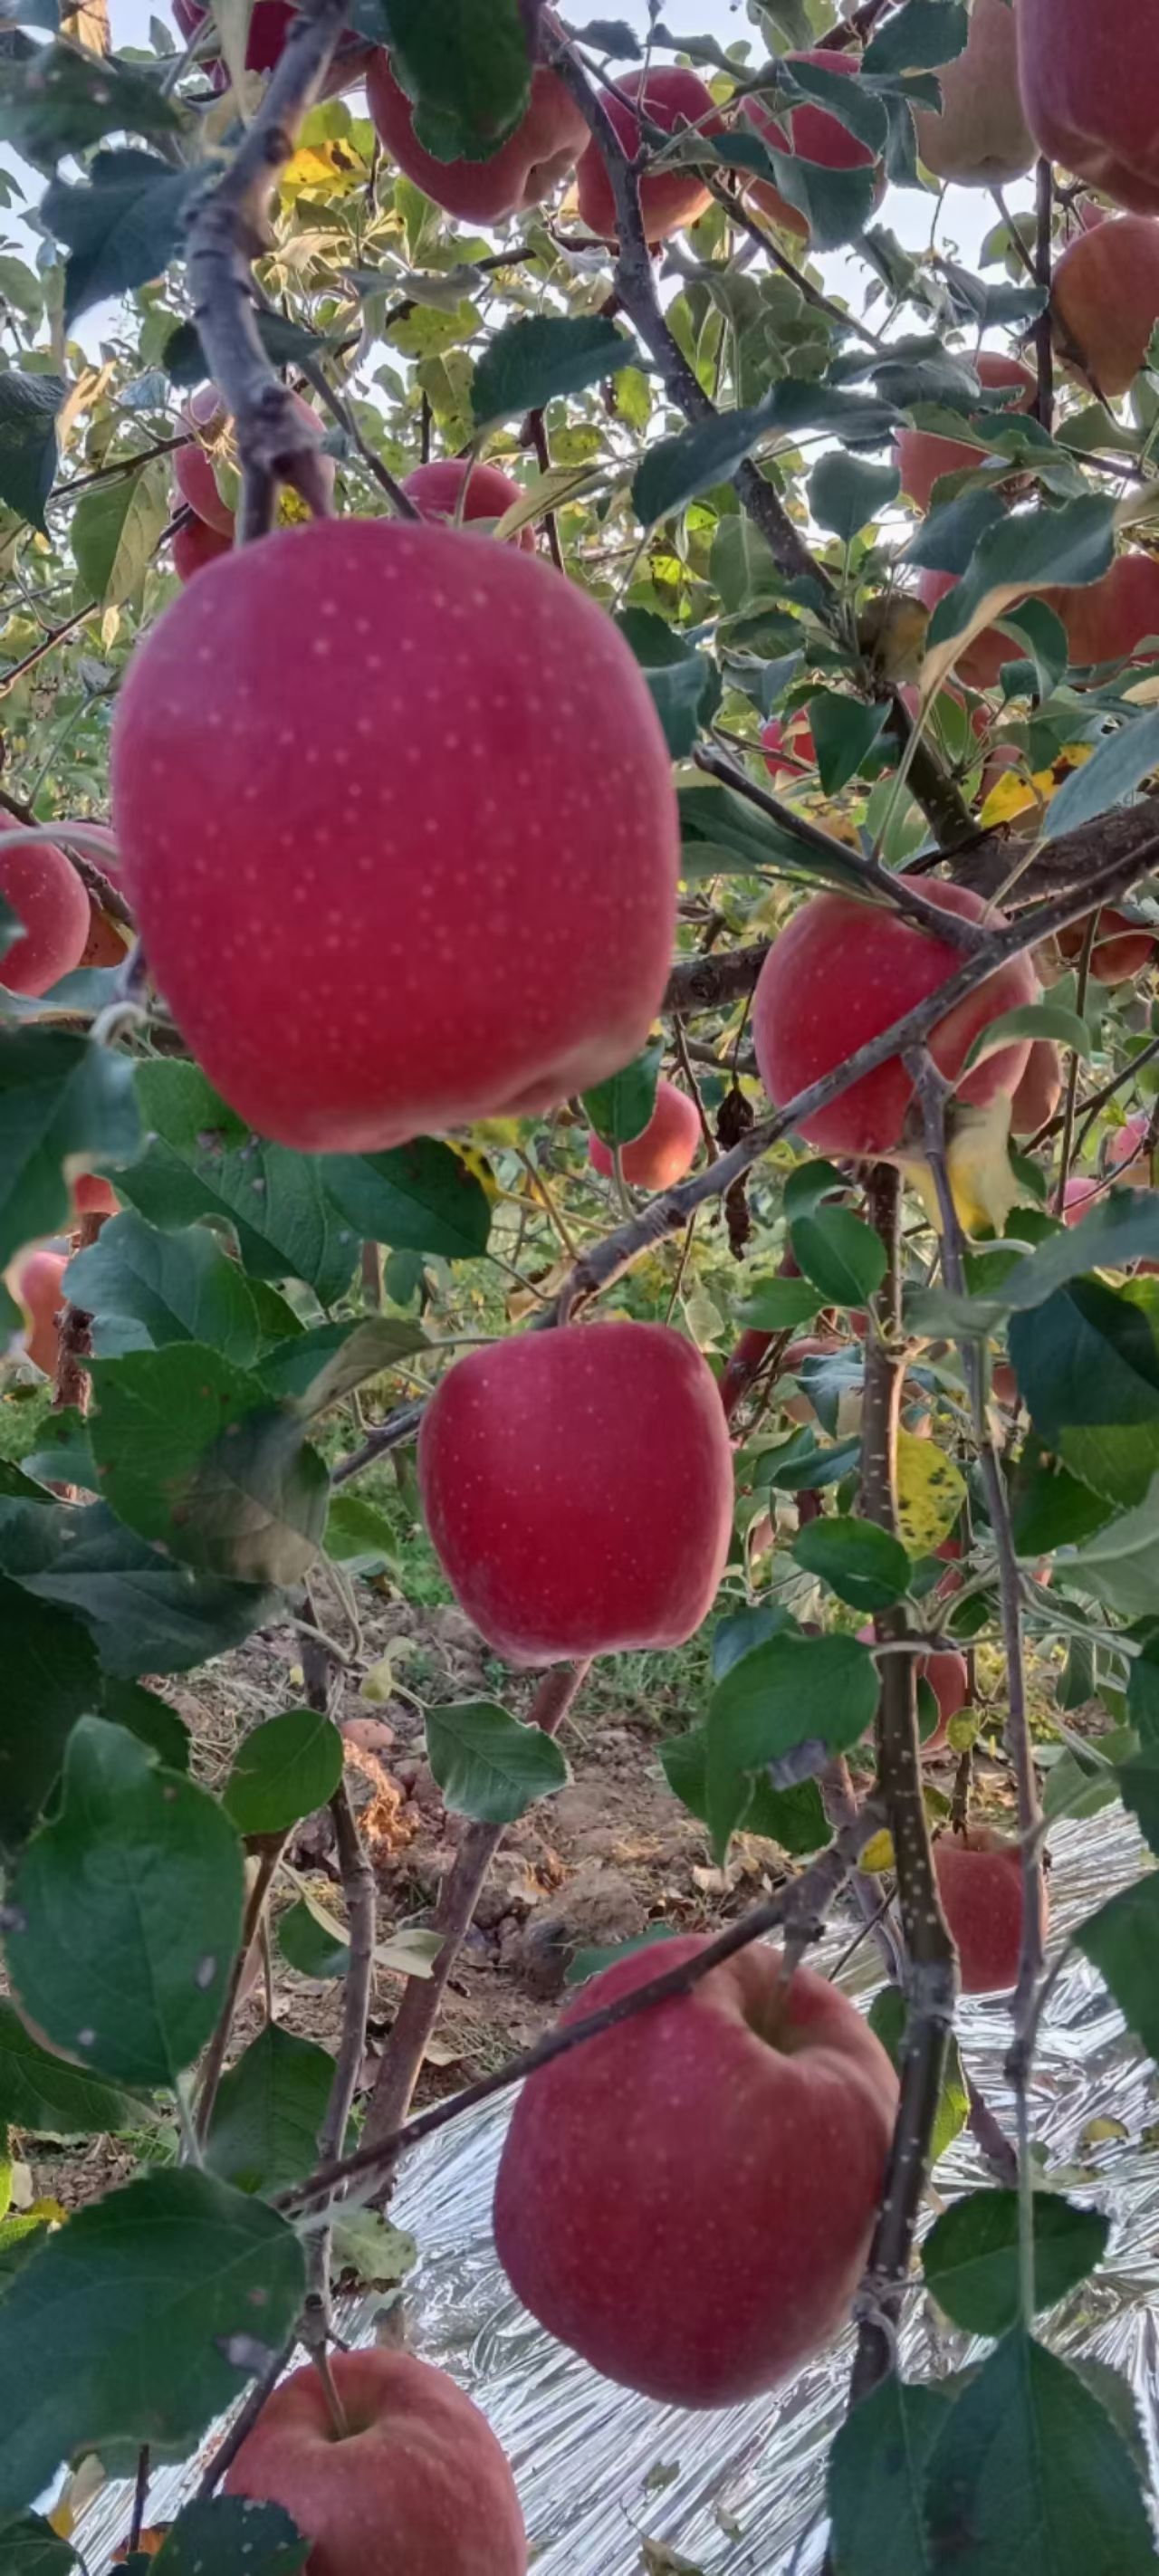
[
  {"x": 979, "y": 137},
  {"x": 1106, "y": 298},
  {"x": 669, "y": 199},
  {"x": 543, "y": 149},
  {"x": 809, "y": 133},
  {"x": 839, "y": 973},
  {"x": 1089, "y": 77},
  {"x": 578, "y": 1488},
  {"x": 41, "y": 886},
  {"x": 1122, "y": 949},
  {"x": 37, "y": 1288},
  {"x": 417, "y": 2486},
  {"x": 436, "y": 491},
  {"x": 1039, "y": 1091},
  {"x": 688, "y": 2200},
  {"x": 979, "y": 1875},
  {"x": 922, "y": 457},
  {"x": 789, "y": 748},
  {"x": 397, "y": 822},
  {"x": 665, "y": 1151},
  {"x": 196, "y": 545}
]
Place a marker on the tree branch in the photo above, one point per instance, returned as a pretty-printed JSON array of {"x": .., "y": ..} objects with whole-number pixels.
[{"x": 904, "y": 893}]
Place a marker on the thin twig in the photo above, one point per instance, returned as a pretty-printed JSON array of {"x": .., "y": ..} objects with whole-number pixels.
[
  {"x": 1043, "y": 255},
  {"x": 1072, "y": 1073},
  {"x": 213, "y": 2068},
  {"x": 904, "y": 893}
]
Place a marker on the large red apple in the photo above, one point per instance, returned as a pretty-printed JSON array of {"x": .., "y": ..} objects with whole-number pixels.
[
  {"x": 810, "y": 133},
  {"x": 921, "y": 457},
  {"x": 43, "y": 889},
  {"x": 839, "y": 973},
  {"x": 578, "y": 1488},
  {"x": 543, "y": 149},
  {"x": 1106, "y": 298},
  {"x": 396, "y": 819},
  {"x": 270, "y": 24},
  {"x": 418, "y": 2486},
  {"x": 1040, "y": 1090},
  {"x": 1089, "y": 75},
  {"x": 436, "y": 490},
  {"x": 37, "y": 1288},
  {"x": 979, "y": 137},
  {"x": 669, "y": 199},
  {"x": 979, "y": 1877},
  {"x": 688, "y": 2199},
  {"x": 666, "y": 1149}
]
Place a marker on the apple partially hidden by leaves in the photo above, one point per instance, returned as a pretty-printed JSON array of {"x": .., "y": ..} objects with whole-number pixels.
[
  {"x": 396, "y": 820},
  {"x": 688, "y": 2199},
  {"x": 669, "y": 198},
  {"x": 437, "y": 490},
  {"x": 665, "y": 1151},
  {"x": 37, "y": 1287},
  {"x": 979, "y": 1875},
  {"x": 41, "y": 886},
  {"x": 545, "y": 146}
]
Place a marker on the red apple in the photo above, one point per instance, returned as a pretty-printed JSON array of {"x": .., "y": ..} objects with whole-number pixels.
[
  {"x": 921, "y": 457},
  {"x": 1129, "y": 1143},
  {"x": 789, "y": 748},
  {"x": 945, "y": 1671},
  {"x": 93, "y": 1195},
  {"x": 577, "y": 1486},
  {"x": 669, "y": 199},
  {"x": 1089, "y": 76},
  {"x": 1106, "y": 298},
  {"x": 197, "y": 484},
  {"x": 418, "y": 2486},
  {"x": 396, "y": 819},
  {"x": 979, "y": 1877},
  {"x": 1110, "y": 619},
  {"x": 688, "y": 2200},
  {"x": 665, "y": 1151},
  {"x": 543, "y": 149},
  {"x": 270, "y": 24},
  {"x": 799, "y": 1408},
  {"x": 742, "y": 1368},
  {"x": 1082, "y": 1193},
  {"x": 196, "y": 545},
  {"x": 810, "y": 133},
  {"x": 839, "y": 973},
  {"x": 196, "y": 478},
  {"x": 37, "y": 1288},
  {"x": 979, "y": 137},
  {"x": 1122, "y": 949},
  {"x": 43, "y": 889},
  {"x": 1040, "y": 1090},
  {"x": 436, "y": 491}
]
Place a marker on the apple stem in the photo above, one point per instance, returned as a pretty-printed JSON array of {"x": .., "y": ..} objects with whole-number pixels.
[{"x": 321, "y": 2361}]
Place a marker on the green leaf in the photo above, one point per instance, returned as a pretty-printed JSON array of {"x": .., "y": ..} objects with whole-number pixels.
[
  {"x": 1122, "y": 1942},
  {"x": 125, "y": 1912},
  {"x": 797, "y": 1696},
  {"x": 122, "y": 224},
  {"x": 286, "y": 1769},
  {"x": 51, "y": 2097},
  {"x": 359, "y": 1536},
  {"x": 202, "y": 1161},
  {"x": 418, "y": 1198},
  {"x": 318, "y": 1368},
  {"x": 846, "y": 493},
  {"x": 863, "y": 1565},
  {"x": 116, "y": 530},
  {"x": 842, "y": 1255},
  {"x": 792, "y": 1818},
  {"x": 1087, "y": 1364},
  {"x": 311, "y": 1941},
  {"x": 488, "y": 1765},
  {"x": 1119, "y": 1564},
  {"x": 51, "y": 1678},
  {"x": 844, "y": 734},
  {"x": 530, "y": 362},
  {"x": 145, "y": 1614},
  {"x": 1121, "y": 1229},
  {"x": 30, "y": 2548},
  {"x": 779, "y": 1305},
  {"x": 1073, "y": 545},
  {"x": 28, "y": 448},
  {"x": 1030, "y": 2472},
  {"x": 620, "y": 1109},
  {"x": 685, "y": 685},
  {"x": 809, "y": 1185},
  {"x": 673, "y": 471},
  {"x": 145, "y": 1289},
  {"x": 917, "y": 38},
  {"x": 59, "y": 1096},
  {"x": 269, "y": 2110},
  {"x": 971, "y": 2258},
  {"x": 466, "y": 66},
  {"x": 191, "y": 1452},
  {"x": 139, "y": 2322},
  {"x": 591, "y": 1963},
  {"x": 877, "y": 2466},
  {"x": 1116, "y": 768},
  {"x": 285, "y": 342},
  {"x": 887, "y": 2020},
  {"x": 233, "y": 2536},
  {"x": 61, "y": 100},
  {"x": 1032, "y": 1020}
]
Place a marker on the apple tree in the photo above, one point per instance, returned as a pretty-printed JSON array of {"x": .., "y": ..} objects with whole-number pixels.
[{"x": 577, "y": 932}]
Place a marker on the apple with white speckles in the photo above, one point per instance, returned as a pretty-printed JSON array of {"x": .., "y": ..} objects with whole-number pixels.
[
  {"x": 578, "y": 1488},
  {"x": 839, "y": 974},
  {"x": 397, "y": 823},
  {"x": 437, "y": 492},
  {"x": 688, "y": 2200}
]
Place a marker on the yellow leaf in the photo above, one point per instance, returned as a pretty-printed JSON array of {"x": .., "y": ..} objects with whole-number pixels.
[
  {"x": 548, "y": 492},
  {"x": 1100, "y": 2132},
  {"x": 475, "y": 1161},
  {"x": 1010, "y": 795},
  {"x": 962, "y": 1731},
  {"x": 877, "y": 1855},
  {"x": 931, "y": 1490},
  {"x": 378, "y": 1684}
]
